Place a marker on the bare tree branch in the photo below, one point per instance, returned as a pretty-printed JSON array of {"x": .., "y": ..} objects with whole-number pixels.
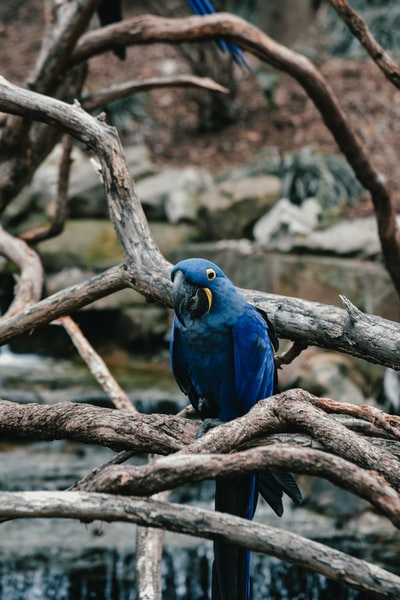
[
  {"x": 60, "y": 201},
  {"x": 292, "y": 410},
  {"x": 206, "y": 524},
  {"x": 64, "y": 302},
  {"x": 147, "y": 271},
  {"x": 96, "y": 365},
  {"x": 120, "y": 90},
  {"x": 149, "y": 29},
  {"x": 287, "y": 357},
  {"x": 117, "y": 429},
  {"x": 171, "y": 471},
  {"x": 360, "y": 30},
  {"x": 28, "y": 288}
]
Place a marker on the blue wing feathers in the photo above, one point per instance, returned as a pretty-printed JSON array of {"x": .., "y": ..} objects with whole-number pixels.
[
  {"x": 222, "y": 357},
  {"x": 254, "y": 359}
]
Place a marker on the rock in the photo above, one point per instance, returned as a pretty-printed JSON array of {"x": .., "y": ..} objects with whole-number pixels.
[
  {"x": 230, "y": 210},
  {"x": 153, "y": 191},
  {"x": 86, "y": 192},
  {"x": 329, "y": 374},
  {"x": 87, "y": 244},
  {"x": 287, "y": 228},
  {"x": 285, "y": 222},
  {"x": 173, "y": 194},
  {"x": 145, "y": 324},
  {"x": 182, "y": 203},
  {"x": 358, "y": 237}
]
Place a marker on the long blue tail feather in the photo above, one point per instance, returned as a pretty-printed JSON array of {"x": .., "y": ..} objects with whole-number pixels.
[{"x": 204, "y": 7}]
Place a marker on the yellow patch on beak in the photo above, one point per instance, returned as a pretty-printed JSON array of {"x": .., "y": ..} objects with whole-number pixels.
[{"x": 208, "y": 293}]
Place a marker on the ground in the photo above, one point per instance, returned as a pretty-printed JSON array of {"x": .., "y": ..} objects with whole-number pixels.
[{"x": 172, "y": 134}]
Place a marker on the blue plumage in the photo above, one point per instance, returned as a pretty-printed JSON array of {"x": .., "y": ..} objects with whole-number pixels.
[
  {"x": 222, "y": 358},
  {"x": 204, "y": 7}
]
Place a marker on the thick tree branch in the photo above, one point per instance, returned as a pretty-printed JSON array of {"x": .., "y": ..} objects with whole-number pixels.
[
  {"x": 145, "y": 269},
  {"x": 292, "y": 411},
  {"x": 117, "y": 429},
  {"x": 142, "y": 256},
  {"x": 64, "y": 302},
  {"x": 171, "y": 471},
  {"x": 206, "y": 524},
  {"x": 148, "y": 29}
]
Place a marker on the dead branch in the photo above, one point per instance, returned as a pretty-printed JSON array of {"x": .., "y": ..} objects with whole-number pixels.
[
  {"x": 171, "y": 471},
  {"x": 121, "y": 90},
  {"x": 382, "y": 422},
  {"x": 26, "y": 143},
  {"x": 64, "y": 302},
  {"x": 293, "y": 411},
  {"x": 28, "y": 288},
  {"x": 290, "y": 411},
  {"x": 96, "y": 364},
  {"x": 360, "y": 30},
  {"x": 60, "y": 201},
  {"x": 146, "y": 269},
  {"x": 117, "y": 429},
  {"x": 287, "y": 357},
  {"x": 206, "y": 524},
  {"x": 148, "y": 29}
]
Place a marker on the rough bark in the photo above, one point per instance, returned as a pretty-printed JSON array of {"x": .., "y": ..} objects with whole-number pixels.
[
  {"x": 150, "y": 29},
  {"x": 117, "y": 429},
  {"x": 169, "y": 472},
  {"x": 206, "y": 524},
  {"x": 295, "y": 411},
  {"x": 145, "y": 269}
]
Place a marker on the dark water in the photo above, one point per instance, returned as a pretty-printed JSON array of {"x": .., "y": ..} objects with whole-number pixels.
[
  {"x": 109, "y": 575},
  {"x": 66, "y": 560}
]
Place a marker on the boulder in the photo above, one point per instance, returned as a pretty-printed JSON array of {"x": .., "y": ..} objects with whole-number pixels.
[
  {"x": 279, "y": 228},
  {"x": 86, "y": 192},
  {"x": 85, "y": 243},
  {"x": 183, "y": 202},
  {"x": 231, "y": 208},
  {"x": 287, "y": 228},
  {"x": 358, "y": 237},
  {"x": 173, "y": 194}
]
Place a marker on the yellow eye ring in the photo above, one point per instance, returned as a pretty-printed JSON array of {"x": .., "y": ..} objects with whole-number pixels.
[{"x": 211, "y": 274}]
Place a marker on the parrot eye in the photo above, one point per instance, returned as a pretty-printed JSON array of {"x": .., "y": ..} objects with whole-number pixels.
[{"x": 211, "y": 274}]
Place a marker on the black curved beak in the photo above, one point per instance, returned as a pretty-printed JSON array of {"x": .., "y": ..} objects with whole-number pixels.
[{"x": 188, "y": 299}]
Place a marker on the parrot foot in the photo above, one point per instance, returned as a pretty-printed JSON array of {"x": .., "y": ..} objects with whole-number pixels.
[{"x": 206, "y": 425}]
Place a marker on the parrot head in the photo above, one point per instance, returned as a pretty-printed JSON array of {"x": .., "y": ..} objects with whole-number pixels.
[{"x": 195, "y": 283}]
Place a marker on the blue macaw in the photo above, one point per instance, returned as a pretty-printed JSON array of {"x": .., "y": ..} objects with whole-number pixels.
[
  {"x": 222, "y": 358},
  {"x": 204, "y": 7}
]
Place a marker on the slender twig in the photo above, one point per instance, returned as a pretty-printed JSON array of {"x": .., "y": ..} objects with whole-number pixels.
[
  {"x": 60, "y": 202},
  {"x": 103, "y": 97},
  {"x": 96, "y": 364},
  {"x": 360, "y": 30}
]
